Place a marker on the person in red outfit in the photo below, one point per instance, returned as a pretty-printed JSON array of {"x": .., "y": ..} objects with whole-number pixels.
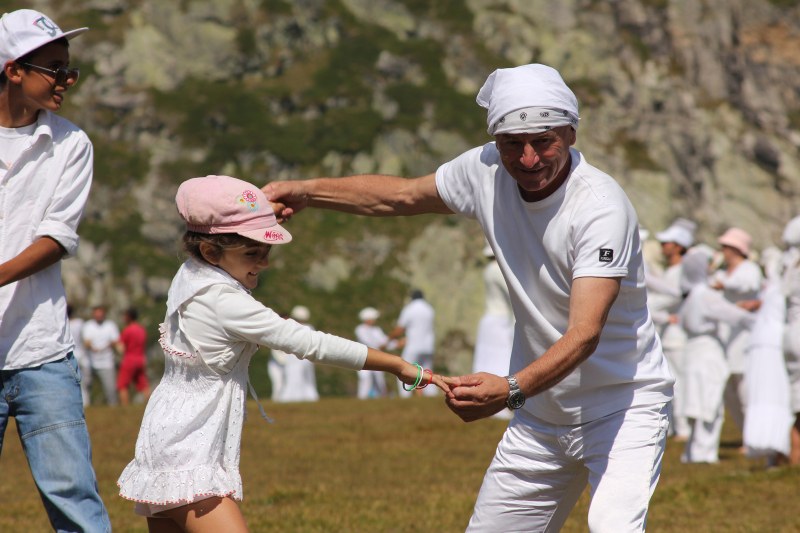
[{"x": 133, "y": 368}]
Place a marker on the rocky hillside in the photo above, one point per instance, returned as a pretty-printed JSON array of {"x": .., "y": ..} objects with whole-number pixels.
[{"x": 694, "y": 105}]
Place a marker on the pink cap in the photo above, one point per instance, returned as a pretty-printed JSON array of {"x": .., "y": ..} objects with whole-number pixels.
[
  {"x": 737, "y": 238},
  {"x": 24, "y": 30},
  {"x": 221, "y": 204}
]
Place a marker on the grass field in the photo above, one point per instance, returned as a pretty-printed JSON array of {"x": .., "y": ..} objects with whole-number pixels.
[{"x": 343, "y": 465}]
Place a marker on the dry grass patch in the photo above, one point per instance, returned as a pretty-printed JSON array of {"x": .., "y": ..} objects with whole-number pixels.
[{"x": 343, "y": 465}]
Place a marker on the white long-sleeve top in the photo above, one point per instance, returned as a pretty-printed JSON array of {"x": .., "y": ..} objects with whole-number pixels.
[
  {"x": 223, "y": 321},
  {"x": 705, "y": 309}
]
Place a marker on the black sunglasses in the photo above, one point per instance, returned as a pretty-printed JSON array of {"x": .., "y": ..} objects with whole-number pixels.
[{"x": 60, "y": 75}]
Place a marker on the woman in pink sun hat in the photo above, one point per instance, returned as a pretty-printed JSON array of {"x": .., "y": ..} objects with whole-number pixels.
[
  {"x": 740, "y": 280},
  {"x": 185, "y": 474}
]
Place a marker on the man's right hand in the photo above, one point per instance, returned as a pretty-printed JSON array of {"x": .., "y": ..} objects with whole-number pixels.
[{"x": 286, "y": 197}]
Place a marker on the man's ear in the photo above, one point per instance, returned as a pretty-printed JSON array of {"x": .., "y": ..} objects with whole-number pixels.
[{"x": 573, "y": 135}]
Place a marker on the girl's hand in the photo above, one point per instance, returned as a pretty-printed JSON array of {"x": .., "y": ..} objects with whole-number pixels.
[{"x": 410, "y": 375}]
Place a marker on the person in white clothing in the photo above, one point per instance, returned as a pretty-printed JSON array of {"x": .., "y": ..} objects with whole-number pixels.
[
  {"x": 45, "y": 177},
  {"x": 586, "y": 364},
  {"x": 791, "y": 342},
  {"x": 185, "y": 474},
  {"x": 496, "y": 328},
  {"x": 372, "y": 384},
  {"x": 415, "y": 327},
  {"x": 706, "y": 370},
  {"x": 100, "y": 336},
  {"x": 299, "y": 377},
  {"x": 75, "y": 327},
  {"x": 768, "y": 416},
  {"x": 740, "y": 280},
  {"x": 664, "y": 299},
  {"x": 276, "y": 370}
]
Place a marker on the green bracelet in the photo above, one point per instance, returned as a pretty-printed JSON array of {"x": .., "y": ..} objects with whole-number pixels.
[{"x": 419, "y": 378}]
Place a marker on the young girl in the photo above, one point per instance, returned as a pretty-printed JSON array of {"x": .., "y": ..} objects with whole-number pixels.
[{"x": 185, "y": 474}]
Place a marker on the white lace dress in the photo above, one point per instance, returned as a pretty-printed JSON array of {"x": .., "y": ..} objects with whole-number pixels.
[
  {"x": 189, "y": 442},
  {"x": 188, "y": 446}
]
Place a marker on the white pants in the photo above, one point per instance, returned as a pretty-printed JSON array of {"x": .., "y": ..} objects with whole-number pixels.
[
  {"x": 275, "y": 371},
  {"x": 703, "y": 443},
  {"x": 371, "y": 384},
  {"x": 108, "y": 380},
  {"x": 735, "y": 399},
  {"x": 540, "y": 470}
]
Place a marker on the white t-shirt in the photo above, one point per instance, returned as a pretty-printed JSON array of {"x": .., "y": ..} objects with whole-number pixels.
[
  {"x": 372, "y": 335},
  {"x": 417, "y": 318},
  {"x": 101, "y": 338},
  {"x": 587, "y": 228}
]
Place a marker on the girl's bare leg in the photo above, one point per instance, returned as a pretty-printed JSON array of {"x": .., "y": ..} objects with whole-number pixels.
[
  {"x": 206, "y": 516},
  {"x": 794, "y": 458}
]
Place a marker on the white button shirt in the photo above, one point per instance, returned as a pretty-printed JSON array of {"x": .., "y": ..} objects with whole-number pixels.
[{"x": 42, "y": 193}]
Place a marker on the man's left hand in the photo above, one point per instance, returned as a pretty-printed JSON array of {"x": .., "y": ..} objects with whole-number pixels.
[{"x": 476, "y": 396}]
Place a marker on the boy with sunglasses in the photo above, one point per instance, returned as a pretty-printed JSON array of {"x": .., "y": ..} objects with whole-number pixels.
[{"x": 45, "y": 175}]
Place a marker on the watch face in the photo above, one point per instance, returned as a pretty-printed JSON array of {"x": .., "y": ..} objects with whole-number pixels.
[{"x": 516, "y": 400}]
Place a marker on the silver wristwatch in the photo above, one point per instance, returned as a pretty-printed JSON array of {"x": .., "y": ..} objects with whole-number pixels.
[{"x": 516, "y": 398}]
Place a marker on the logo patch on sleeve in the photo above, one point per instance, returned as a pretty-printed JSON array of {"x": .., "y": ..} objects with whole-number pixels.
[{"x": 606, "y": 255}]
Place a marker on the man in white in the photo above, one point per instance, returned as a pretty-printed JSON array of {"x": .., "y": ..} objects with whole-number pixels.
[
  {"x": 588, "y": 375},
  {"x": 99, "y": 336},
  {"x": 299, "y": 376},
  {"x": 664, "y": 299},
  {"x": 703, "y": 314},
  {"x": 372, "y": 383},
  {"x": 791, "y": 341},
  {"x": 416, "y": 325},
  {"x": 75, "y": 327},
  {"x": 496, "y": 328}
]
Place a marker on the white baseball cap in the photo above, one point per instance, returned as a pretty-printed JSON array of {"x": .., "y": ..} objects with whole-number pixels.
[
  {"x": 300, "y": 313},
  {"x": 368, "y": 313},
  {"x": 24, "y": 30},
  {"x": 676, "y": 234}
]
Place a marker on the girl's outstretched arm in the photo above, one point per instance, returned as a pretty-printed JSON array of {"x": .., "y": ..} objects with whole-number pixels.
[{"x": 406, "y": 372}]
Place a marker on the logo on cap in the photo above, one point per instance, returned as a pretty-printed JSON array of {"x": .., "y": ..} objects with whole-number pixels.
[
  {"x": 272, "y": 235},
  {"x": 46, "y": 25},
  {"x": 249, "y": 199}
]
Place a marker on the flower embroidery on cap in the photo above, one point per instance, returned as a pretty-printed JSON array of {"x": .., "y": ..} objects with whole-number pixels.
[{"x": 249, "y": 199}]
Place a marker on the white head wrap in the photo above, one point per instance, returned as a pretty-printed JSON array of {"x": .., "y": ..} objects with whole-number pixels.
[
  {"x": 527, "y": 99},
  {"x": 694, "y": 268},
  {"x": 791, "y": 233}
]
